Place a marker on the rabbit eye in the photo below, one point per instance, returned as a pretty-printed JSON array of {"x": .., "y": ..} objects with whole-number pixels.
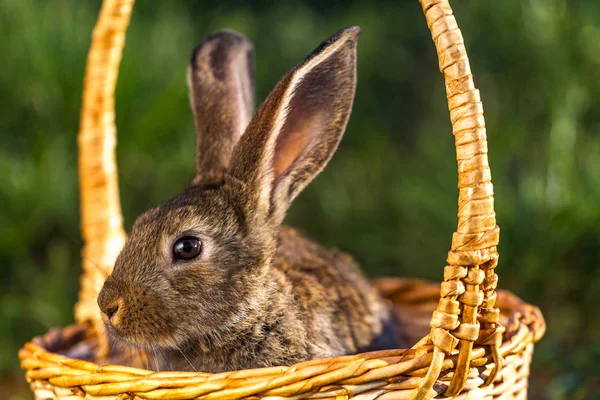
[{"x": 186, "y": 248}]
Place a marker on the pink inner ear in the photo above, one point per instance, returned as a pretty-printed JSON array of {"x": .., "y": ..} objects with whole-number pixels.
[{"x": 297, "y": 135}]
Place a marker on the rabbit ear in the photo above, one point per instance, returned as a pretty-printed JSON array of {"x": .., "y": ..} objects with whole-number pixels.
[
  {"x": 298, "y": 127},
  {"x": 221, "y": 81}
]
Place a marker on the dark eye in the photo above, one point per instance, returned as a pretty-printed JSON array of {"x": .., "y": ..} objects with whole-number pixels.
[{"x": 186, "y": 248}]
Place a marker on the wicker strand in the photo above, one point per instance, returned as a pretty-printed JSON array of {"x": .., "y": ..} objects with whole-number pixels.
[
  {"x": 101, "y": 221},
  {"x": 466, "y": 311}
]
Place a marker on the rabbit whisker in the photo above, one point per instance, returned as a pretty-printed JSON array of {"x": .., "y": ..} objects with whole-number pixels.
[
  {"x": 105, "y": 273},
  {"x": 186, "y": 359},
  {"x": 165, "y": 358},
  {"x": 157, "y": 367}
]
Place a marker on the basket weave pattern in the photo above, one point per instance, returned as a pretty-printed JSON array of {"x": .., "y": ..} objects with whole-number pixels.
[{"x": 472, "y": 342}]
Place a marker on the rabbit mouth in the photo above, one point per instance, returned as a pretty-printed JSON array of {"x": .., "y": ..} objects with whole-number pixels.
[
  {"x": 142, "y": 340},
  {"x": 117, "y": 334}
]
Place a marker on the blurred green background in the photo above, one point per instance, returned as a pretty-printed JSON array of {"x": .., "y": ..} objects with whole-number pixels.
[{"x": 389, "y": 194}]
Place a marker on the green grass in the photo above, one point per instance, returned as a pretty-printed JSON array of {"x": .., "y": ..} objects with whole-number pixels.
[{"x": 389, "y": 194}]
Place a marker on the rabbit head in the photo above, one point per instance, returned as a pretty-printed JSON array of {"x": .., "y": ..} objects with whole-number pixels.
[{"x": 199, "y": 263}]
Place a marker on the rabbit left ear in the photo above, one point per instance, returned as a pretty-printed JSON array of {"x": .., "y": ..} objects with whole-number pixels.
[
  {"x": 221, "y": 84},
  {"x": 297, "y": 128}
]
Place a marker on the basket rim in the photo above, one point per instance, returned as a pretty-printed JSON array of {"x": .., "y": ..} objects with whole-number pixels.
[{"x": 349, "y": 374}]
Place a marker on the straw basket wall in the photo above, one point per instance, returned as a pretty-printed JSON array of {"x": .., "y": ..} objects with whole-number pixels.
[{"x": 471, "y": 341}]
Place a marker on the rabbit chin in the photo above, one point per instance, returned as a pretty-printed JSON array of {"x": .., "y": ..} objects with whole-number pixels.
[{"x": 140, "y": 339}]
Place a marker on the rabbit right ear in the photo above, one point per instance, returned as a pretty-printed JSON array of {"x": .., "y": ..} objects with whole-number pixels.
[
  {"x": 297, "y": 128},
  {"x": 221, "y": 84}
]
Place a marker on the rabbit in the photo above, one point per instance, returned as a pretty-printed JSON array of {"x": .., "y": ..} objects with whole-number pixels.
[{"x": 211, "y": 278}]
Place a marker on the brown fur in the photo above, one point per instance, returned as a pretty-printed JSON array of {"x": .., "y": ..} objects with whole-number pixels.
[
  {"x": 259, "y": 294},
  {"x": 221, "y": 83}
]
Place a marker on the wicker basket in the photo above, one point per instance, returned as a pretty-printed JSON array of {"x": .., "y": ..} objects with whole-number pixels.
[{"x": 471, "y": 341}]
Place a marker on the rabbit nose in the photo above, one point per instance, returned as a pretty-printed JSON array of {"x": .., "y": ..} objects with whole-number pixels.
[
  {"x": 110, "y": 300},
  {"x": 111, "y": 311}
]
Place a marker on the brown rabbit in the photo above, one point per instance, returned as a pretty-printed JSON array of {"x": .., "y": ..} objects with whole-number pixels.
[{"x": 211, "y": 278}]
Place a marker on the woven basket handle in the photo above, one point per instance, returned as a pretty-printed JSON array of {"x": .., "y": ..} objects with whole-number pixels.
[
  {"x": 466, "y": 312},
  {"x": 101, "y": 221}
]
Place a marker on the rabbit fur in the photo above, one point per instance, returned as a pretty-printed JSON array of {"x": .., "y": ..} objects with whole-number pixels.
[{"x": 259, "y": 293}]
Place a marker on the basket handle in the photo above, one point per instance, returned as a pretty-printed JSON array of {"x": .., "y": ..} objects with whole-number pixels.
[
  {"x": 101, "y": 220},
  {"x": 466, "y": 312}
]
